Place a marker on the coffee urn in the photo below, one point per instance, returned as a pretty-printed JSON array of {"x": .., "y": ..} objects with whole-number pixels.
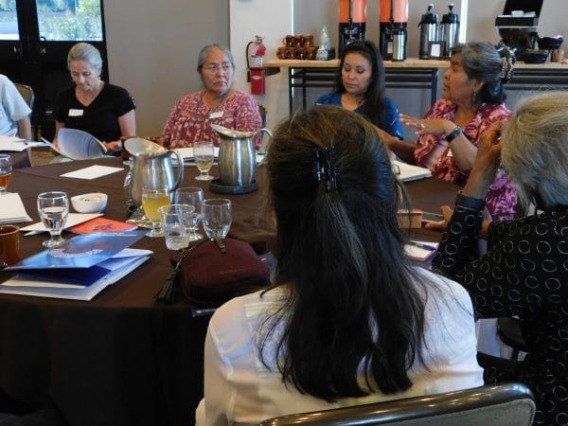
[
  {"x": 393, "y": 21},
  {"x": 352, "y": 21},
  {"x": 450, "y": 30},
  {"x": 428, "y": 32}
]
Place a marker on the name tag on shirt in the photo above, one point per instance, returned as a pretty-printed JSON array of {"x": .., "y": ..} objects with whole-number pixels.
[
  {"x": 75, "y": 112},
  {"x": 216, "y": 114}
]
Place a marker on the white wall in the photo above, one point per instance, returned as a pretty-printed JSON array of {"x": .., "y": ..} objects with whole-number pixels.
[{"x": 271, "y": 19}]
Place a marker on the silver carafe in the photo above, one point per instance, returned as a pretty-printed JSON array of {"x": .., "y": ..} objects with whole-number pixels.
[
  {"x": 428, "y": 32},
  {"x": 450, "y": 30},
  {"x": 152, "y": 165},
  {"x": 237, "y": 157}
]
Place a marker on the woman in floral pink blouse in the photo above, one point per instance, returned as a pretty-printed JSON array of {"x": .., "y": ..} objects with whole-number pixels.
[
  {"x": 472, "y": 99},
  {"x": 218, "y": 103}
]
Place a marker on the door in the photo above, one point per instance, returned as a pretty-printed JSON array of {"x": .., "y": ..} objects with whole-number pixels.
[{"x": 35, "y": 37}]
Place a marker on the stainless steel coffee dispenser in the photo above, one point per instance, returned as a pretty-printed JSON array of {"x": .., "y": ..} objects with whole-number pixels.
[
  {"x": 428, "y": 32},
  {"x": 450, "y": 31}
]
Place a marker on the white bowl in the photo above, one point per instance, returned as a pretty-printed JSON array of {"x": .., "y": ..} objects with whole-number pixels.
[{"x": 94, "y": 202}]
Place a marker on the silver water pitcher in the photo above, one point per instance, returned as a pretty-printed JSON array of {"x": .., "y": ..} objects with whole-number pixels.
[{"x": 237, "y": 157}]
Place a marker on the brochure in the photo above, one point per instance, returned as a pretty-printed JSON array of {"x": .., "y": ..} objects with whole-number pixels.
[
  {"x": 79, "y": 145},
  {"x": 77, "y": 284},
  {"x": 102, "y": 224},
  {"x": 82, "y": 251}
]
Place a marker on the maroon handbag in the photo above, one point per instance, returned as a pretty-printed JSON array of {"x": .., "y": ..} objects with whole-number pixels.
[{"x": 209, "y": 277}]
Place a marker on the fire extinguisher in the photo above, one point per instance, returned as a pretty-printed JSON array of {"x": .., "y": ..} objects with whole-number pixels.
[{"x": 255, "y": 55}]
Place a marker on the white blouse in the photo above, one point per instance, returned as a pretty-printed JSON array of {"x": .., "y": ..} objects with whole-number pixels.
[{"x": 239, "y": 389}]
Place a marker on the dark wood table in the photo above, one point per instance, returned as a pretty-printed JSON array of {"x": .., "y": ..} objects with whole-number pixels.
[
  {"x": 122, "y": 359},
  {"x": 20, "y": 160}
]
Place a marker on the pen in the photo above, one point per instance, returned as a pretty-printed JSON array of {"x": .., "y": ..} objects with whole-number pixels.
[
  {"x": 423, "y": 245},
  {"x": 29, "y": 234}
]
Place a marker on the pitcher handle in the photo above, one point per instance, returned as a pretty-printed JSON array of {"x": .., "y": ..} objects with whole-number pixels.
[
  {"x": 179, "y": 179},
  {"x": 265, "y": 130}
]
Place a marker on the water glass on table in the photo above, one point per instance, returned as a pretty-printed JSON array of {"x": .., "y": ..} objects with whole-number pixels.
[
  {"x": 204, "y": 153},
  {"x": 193, "y": 196},
  {"x": 5, "y": 172},
  {"x": 216, "y": 217},
  {"x": 154, "y": 197},
  {"x": 176, "y": 221},
  {"x": 53, "y": 209}
]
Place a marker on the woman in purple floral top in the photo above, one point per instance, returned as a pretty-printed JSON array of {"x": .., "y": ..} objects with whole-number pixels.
[
  {"x": 218, "y": 103},
  {"x": 472, "y": 99}
]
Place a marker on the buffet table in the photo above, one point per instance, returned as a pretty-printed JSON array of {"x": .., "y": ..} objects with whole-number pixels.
[
  {"x": 414, "y": 73},
  {"x": 122, "y": 358}
]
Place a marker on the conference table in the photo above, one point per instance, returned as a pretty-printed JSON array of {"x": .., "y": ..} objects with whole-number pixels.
[{"x": 123, "y": 358}]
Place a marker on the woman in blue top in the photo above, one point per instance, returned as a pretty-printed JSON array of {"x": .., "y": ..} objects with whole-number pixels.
[{"x": 360, "y": 87}]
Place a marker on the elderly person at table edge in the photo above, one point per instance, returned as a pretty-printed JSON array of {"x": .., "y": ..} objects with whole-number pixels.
[
  {"x": 360, "y": 87},
  {"x": 524, "y": 272},
  {"x": 472, "y": 99},
  {"x": 104, "y": 110},
  {"x": 14, "y": 111},
  {"x": 217, "y": 103},
  {"x": 349, "y": 319}
]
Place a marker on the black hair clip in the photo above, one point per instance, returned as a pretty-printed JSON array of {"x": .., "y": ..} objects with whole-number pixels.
[{"x": 324, "y": 169}]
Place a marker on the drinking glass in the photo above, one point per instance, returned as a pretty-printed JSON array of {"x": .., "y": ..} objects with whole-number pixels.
[
  {"x": 204, "y": 152},
  {"x": 193, "y": 196},
  {"x": 216, "y": 217},
  {"x": 53, "y": 208},
  {"x": 154, "y": 197},
  {"x": 5, "y": 172},
  {"x": 176, "y": 222}
]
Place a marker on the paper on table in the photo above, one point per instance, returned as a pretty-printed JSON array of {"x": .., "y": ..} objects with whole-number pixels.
[
  {"x": 78, "y": 144},
  {"x": 12, "y": 209},
  {"x": 12, "y": 144},
  {"x": 72, "y": 220},
  {"x": 420, "y": 250},
  {"x": 119, "y": 266},
  {"x": 10, "y": 139},
  {"x": 407, "y": 172},
  {"x": 92, "y": 172}
]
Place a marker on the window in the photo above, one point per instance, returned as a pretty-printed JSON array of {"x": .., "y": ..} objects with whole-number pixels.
[{"x": 69, "y": 20}]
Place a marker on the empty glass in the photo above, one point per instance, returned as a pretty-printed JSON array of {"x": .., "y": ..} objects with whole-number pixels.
[
  {"x": 204, "y": 153},
  {"x": 176, "y": 222},
  {"x": 5, "y": 172},
  {"x": 216, "y": 217},
  {"x": 192, "y": 195},
  {"x": 53, "y": 209}
]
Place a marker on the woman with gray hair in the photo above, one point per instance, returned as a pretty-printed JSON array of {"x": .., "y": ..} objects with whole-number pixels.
[
  {"x": 217, "y": 103},
  {"x": 102, "y": 109},
  {"x": 472, "y": 99},
  {"x": 524, "y": 272}
]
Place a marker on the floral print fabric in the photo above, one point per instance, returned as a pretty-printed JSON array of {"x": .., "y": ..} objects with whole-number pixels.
[
  {"x": 191, "y": 119},
  {"x": 502, "y": 196}
]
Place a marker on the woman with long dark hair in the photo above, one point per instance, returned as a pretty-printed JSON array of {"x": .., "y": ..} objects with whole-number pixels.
[
  {"x": 360, "y": 87},
  {"x": 349, "y": 319}
]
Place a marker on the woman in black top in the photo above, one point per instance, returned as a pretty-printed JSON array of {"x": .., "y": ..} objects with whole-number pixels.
[
  {"x": 524, "y": 272},
  {"x": 101, "y": 109}
]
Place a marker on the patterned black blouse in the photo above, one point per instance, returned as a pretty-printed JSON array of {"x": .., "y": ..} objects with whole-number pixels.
[{"x": 524, "y": 273}]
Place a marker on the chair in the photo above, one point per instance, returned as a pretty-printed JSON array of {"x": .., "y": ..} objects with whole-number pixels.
[
  {"x": 510, "y": 333},
  {"x": 507, "y": 404},
  {"x": 27, "y": 93}
]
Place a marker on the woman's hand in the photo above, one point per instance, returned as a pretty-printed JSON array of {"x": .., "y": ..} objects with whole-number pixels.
[
  {"x": 486, "y": 162},
  {"x": 436, "y": 126},
  {"x": 113, "y": 146},
  {"x": 441, "y": 225}
]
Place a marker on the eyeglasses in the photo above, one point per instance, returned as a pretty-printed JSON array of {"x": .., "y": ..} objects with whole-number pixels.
[{"x": 213, "y": 68}]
